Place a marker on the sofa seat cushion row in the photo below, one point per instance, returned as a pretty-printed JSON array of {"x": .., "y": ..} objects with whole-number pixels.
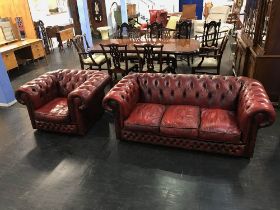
[{"x": 184, "y": 121}]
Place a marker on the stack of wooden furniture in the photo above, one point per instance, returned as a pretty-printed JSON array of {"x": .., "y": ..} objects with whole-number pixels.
[{"x": 258, "y": 48}]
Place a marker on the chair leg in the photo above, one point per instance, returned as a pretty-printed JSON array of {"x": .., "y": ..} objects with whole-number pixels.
[{"x": 193, "y": 70}]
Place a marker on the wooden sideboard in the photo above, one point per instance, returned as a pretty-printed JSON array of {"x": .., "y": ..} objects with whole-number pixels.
[
  {"x": 14, "y": 53},
  {"x": 258, "y": 46}
]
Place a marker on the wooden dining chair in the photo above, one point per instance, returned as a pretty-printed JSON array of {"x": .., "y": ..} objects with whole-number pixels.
[
  {"x": 94, "y": 61},
  {"x": 154, "y": 30},
  {"x": 183, "y": 29},
  {"x": 210, "y": 60},
  {"x": 210, "y": 37},
  {"x": 169, "y": 59},
  {"x": 117, "y": 61},
  {"x": 135, "y": 35},
  {"x": 151, "y": 56}
]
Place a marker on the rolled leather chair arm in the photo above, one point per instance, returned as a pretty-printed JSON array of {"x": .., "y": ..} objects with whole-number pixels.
[
  {"x": 38, "y": 91},
  {"x": 254, "y": 105},
  {"x": 84, "y": 94},
  {"x": 122, "y": 97}
]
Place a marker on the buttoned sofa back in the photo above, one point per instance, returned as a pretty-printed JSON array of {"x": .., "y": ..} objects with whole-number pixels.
[{"x": 203, "y": 91}]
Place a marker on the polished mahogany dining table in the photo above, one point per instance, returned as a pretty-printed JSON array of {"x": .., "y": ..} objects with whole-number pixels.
[{"x": 170, "y": 46}]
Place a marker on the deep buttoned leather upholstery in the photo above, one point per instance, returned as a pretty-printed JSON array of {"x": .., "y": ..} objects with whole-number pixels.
[
  {"x": 180, "y": 121},
  {"x": 66, "y": 101},
  {"x": 210, "y": 113},
  {"x": 219, "y": 125},
  {"x": 145, "y": 118}
]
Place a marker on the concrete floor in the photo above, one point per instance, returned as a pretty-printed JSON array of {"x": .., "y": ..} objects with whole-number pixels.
[{"x": 40, "y": 170}]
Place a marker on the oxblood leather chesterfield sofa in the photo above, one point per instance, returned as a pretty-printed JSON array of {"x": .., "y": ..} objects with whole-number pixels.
[
  {"x": 66, "y": 101},
  {"x": 208, "y": 113}
]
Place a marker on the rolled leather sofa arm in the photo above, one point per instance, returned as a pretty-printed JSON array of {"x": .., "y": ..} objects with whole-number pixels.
[
  {"x": 254, "y": 104},
  {"x": 84, "y": 94},
  {"x": 123, "y": 96},
  {"x": 37, "y": 91}
]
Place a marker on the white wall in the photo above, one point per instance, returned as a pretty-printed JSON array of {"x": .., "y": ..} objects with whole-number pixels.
[{"x": 40, "y": 11}]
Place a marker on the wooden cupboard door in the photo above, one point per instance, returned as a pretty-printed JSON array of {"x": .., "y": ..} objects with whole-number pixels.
[
  {"x": 38, "y": 50},
  {"x": 10, "y": 60}
]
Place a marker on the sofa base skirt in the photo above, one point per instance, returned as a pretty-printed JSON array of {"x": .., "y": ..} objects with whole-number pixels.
[
  {"x": 57, "y": 127},
  {"x": 221, "y": 148}
]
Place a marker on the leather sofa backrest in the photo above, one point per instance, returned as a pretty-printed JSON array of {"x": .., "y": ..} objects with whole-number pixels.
[
  {"x": 69, "y": 80},
  {"x": 197, "y": 90}
]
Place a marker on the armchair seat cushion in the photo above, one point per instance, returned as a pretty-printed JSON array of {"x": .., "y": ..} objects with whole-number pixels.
[
  {"x": 181, "y": 121},
  {"x": 219, "y": 125},
  {"x": 99, "y": 59},
  {"x": 55, "y": 111},
  {"x": 145, "y": 118}
]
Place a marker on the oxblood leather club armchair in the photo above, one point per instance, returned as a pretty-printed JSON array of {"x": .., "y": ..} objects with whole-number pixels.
[
  {"x": 208, "y": 113},
  {"x": 66, "y": 101}
]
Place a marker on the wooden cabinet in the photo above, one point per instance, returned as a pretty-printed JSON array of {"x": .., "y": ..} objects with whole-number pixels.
[
  {"x": 10, "y": 60},
  {"x": 258, "y": 46}
]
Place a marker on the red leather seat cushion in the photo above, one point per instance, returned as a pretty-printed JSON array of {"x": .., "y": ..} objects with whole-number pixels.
[
  {"x": 180, "y": 121},
  {"x": 219, "y": 125},
  {"x": 145, "y": 118},
  {"x": 54, "y": 111}
]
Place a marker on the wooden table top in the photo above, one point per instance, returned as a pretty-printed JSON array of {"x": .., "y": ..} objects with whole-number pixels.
[
  {"x": 18, "y": 45},
  {"x": 171, "y": 46}
]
